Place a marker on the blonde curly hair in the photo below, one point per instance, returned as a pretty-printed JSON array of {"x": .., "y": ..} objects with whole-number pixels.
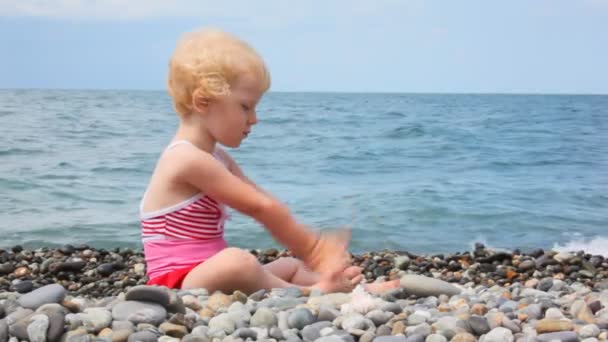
[{"x": 206, "y": 62}]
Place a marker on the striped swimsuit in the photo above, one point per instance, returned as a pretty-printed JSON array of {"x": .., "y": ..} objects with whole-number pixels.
[{"x": 179, "y": 237}]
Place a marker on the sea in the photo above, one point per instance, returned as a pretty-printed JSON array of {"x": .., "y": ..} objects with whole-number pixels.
[{"x": 424, "y": 173}]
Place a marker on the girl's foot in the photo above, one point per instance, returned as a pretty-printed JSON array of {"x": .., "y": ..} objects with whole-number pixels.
[{"x": 341, "y": 282}]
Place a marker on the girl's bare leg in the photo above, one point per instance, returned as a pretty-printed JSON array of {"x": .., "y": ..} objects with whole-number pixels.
[
  {"x": 235, "y": 269},
  {"x": 292, "y": 270},
  {"x": 295, "y": 271}
]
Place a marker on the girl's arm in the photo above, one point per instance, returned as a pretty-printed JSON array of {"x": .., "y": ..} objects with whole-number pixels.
[
  {"x": 236, "y": 170},
  {"x": 201, "y": 170}
]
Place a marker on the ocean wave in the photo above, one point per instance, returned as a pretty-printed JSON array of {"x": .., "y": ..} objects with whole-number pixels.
[
  {"x": 395, "y": 114},
  {"x": 597, "y": 245},
  {"x": 410, "y": 131},
  {"x": 19, "y": 151}
]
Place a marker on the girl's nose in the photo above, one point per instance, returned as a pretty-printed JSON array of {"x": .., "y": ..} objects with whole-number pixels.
[{"x": 253, "y": 118}]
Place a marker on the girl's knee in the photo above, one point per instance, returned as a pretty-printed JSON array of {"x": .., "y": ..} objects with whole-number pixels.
[
  {"x": 240, "y": 259},
  {"x": 291, "y": 262}
]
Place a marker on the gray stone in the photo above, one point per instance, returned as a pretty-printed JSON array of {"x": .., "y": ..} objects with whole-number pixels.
[
  {"x": 223, "y": 322},
  {"x": 200, "y": 330},
  {"x": 383, "y": 330},
  {"x": 242, "y": 315},
  {"x": 3, "y": 330},
  {"x": 24, "y": 286},
  {"x": 402, "y": 262},
  {"x": 143, "y": 336},
  {"x": 335, "y": 338},
  {"x": 545, "y": 284},
  {"x": 293, "y": 338},
  {"x": 56, "y": 314},
  {"x": 246, "y": 333},
  {"x": 590, "y": 339},
  {"x": 258, "y": 295},
  {"x": 78, "y": 335},
  {"x": 479, "y": 325},
  {"x": 415, "y": 338},
  {"x": 509, "y": 324},
  {"x": 415, "y": 319},
  {"x": 499, "y": 334},
  {"x": 139, "y": 312},
  {"x": 263, "y": 317},
  {"x": 299, "y": 318},
  {"x": 379, "y": 317},
  {"x": 282, "y": 318},
  {"x": 420, "y": 329},
  {"x": 554, "y": 313},
  {"x": 52, "y": 293},
  {"x": 313, "y": 331},
  {"x": 389, "y": 339},
  {"x": 533, "y": 311},
  {"x": 368, "y": 336},
  {"x": 327, "y": 313},
  {"x": 195, "y": 338},
  {"x": 11, "y": 305},
  {"x": 508, "y": 306},
  {"x": 422, "y": 286},
  {"x": 558, "y": 285},
  {"x": 36, "y": 330},
  {"x": 157, "y": 294},
  {"x": 119, "y": 325},
  {"x": 121, "y": 335},
  {"x": 563, "y": 336},
  {"x": 19, "y": 329},
  {"x": 95, "y": 319},
  {"x": 276, "y": 333},
  {"x": 447, "y": 326},
  {"x": 436, "y": 338},
  {"x": 589, "y": 330},
  {"x": 291, "y": 335},
  {"x": 391, "y": 307},
  {"x": 526, "y": 265},
  {"x": 18, "y": 315}
]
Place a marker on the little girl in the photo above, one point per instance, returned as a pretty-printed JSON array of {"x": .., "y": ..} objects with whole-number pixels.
[{"x": 215, "y": 81}]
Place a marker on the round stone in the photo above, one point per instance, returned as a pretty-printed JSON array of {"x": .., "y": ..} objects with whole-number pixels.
[
  {"x": 24, "y": 286},
  {"x": 299, "y": 318},
  {"x": 263, "y": 317}
]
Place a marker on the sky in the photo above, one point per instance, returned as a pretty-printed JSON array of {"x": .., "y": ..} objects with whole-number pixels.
[{"x": 420, "y": 46}]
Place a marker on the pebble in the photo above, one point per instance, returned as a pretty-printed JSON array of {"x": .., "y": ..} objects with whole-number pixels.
[
  {"x": 263, "y": 317},
  {"x": 299, "y": 318},
  {"x": 139, "y": 312},
  {"x": 499, "y": 334},
  {"x": 52, "y": 293},
  {"x": 480, "y": 295}
]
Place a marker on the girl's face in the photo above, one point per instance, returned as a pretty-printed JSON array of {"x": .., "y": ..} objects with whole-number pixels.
[{"x": 229, "y": 118}]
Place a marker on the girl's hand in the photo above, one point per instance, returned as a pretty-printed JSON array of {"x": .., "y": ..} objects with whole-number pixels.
[{"x": 330, "y": 255}]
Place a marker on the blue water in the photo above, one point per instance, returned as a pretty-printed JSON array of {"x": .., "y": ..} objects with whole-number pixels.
[{"x": 424, "y": 173}]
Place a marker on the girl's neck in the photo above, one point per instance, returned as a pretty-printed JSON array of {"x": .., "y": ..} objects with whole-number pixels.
[{"x": 197, "y": 136}]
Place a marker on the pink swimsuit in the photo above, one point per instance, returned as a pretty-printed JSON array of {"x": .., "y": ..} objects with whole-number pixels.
[{"x": 178, "y": 238}]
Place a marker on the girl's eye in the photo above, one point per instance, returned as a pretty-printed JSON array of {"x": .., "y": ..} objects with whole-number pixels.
[{"x": 246, "y": 107}]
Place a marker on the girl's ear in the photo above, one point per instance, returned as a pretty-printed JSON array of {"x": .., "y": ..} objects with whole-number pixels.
[{"x": 200, "y": 104}]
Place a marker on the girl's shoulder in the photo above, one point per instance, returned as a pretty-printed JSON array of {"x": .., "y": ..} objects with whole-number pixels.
[{"x": 182, "y": 154}]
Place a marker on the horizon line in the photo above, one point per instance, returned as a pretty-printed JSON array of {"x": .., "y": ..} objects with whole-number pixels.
[{"x": 378, "y": 92}]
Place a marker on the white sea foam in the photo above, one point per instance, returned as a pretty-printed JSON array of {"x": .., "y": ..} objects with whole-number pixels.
[{"x": 597, "y": 245}]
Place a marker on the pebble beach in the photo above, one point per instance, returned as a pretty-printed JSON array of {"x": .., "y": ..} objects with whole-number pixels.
[{"x": 80, "y": 293}]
